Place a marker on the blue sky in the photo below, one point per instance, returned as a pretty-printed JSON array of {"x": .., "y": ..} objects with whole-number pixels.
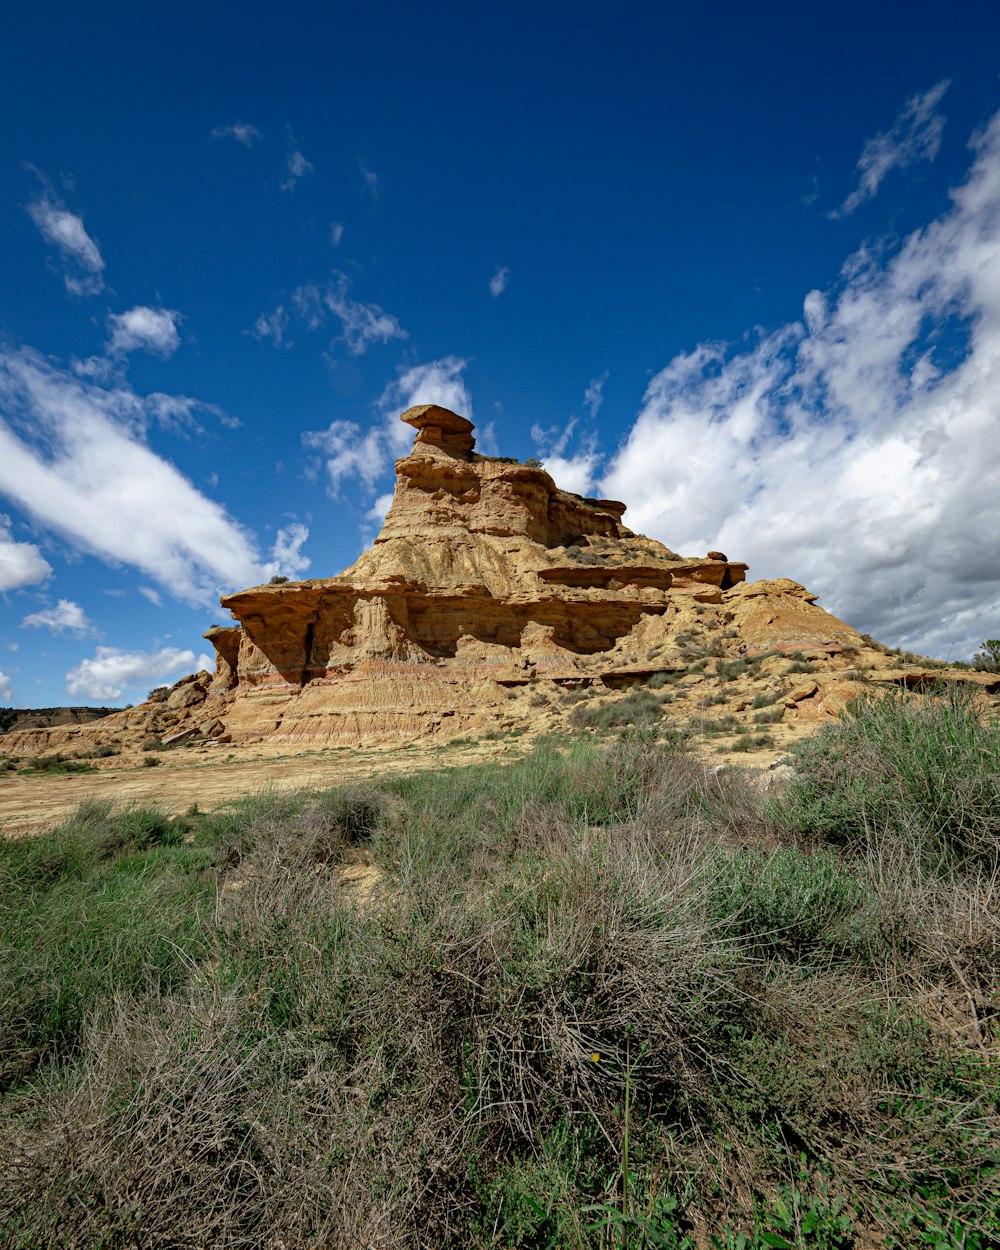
[{"x": 736, "y": 265}]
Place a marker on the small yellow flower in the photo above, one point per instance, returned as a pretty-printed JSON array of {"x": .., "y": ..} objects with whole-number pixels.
[{"x": 596, "y": 1056}]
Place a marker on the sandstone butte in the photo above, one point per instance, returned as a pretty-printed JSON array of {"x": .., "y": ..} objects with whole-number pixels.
[{"x": 490, "y": 601}]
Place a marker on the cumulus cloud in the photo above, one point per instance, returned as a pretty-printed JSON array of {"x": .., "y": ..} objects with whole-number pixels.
[
  {"x": 240, "y": 131},
  {"x": 151, "y": 329},
  {"x": 296, "y": 167},
  {"x": 288, "y": 559},
  {"x": 856, "y": 450},
  {"x": 66, "y": 232},
  {"x": 21, "y": 564},
  {"x": 110, "y": 672},
  {"x": 73, "y": 456},
  {"x": 65, "y": 617},
  {"x": 350, "y": 451},
  {"x": 437, "y": 382},
  {"x": 915, "y": 136},
  {"x": 498, "y": 283},
  {"x": 6, "y": 689}
]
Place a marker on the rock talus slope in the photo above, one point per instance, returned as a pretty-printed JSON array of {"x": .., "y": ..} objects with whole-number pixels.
[{"x": 488, "y": 593}]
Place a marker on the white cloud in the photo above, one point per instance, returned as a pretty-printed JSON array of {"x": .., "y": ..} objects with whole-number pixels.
[
  {"x": 593, "y": 396},
  {"x": 273, "y": 327},
  {"x": 856, "y": 451},
  {"x": 363, "y": 324},
  {"x": 370, "y": 180},
  {"x": 21, "y": 564},
  {"x": 110, "y": 672},
  {"x": 353, "y": 452},
  {"x": 379, "y": 509},
  {"x": 66, "y": 231},
  {"x": 153, "y": 596},
  {"x": 336, "y": 233},
  {"x": 72, "y": 455},
  {"x": 65, "y": 617},
  {"x": 569, "y": 472},
  {"x": 151, "y": 329},
  {"x": 205, "y": 663},
  {"x": 288, "y": 559},
  {"x": 296, "y": 167},
  {"x": 349, "y": 452},
  {"x": 240, "y": 131},
  {"x": 6, "y": 689},
  {"x": 437, "y": 382},
  {"x": 915, "y": 136},
  {"x": 498, "y": 283}
]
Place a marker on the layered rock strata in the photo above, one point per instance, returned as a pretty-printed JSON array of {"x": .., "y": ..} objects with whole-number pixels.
[{"x": 486, "y": 581}]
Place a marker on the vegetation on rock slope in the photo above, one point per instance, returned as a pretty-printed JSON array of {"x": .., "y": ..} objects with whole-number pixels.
[{"x": 596, "y": 998}]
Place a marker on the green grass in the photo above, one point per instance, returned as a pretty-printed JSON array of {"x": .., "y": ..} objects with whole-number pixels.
[
  {"x": 927, "y": 769},
  {"x": 599, "y": 998}
]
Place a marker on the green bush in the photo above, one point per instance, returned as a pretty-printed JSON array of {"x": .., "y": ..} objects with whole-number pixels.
[
  {"x": 580, "y": 1003},
  {"x": 638, "y": 707},
  {"x": 926, "y": 766}
]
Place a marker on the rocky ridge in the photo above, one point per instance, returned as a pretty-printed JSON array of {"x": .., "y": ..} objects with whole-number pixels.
[{"x": 491, "y": 603}]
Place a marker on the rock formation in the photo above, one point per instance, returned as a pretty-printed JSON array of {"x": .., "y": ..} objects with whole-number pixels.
[{"x": 487, "y": 583}]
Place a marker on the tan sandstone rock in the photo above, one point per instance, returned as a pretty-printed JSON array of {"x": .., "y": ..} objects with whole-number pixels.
[{"x": 487, "y": 596}]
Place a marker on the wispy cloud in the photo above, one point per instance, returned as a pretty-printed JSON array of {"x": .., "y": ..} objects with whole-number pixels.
[
  {"x": 240, "y": 131},
  {"x": 498, "y": 283},
  {"x": 362, "y": 325},
  {"x": 21, "y": 564},
  {"x": 150, "y": 329},
  {"x": 65, "y": 231},
  {"x": 296, "y": 167},
  {"x": 65, "y": 617},
  {"x": 351, "y": 452},
  {"x": 273, "y": 326},
  {"x": 915, "y": 136},
  {"x": 74, "y": 458},
  {"x": 336, "y": 233},
  {"x": 152, "y": 595},
  {"x": 574, "y": 472},
  {"x": 110, "y": 671},
  {"x": 855, "y": 450},
  {"x": 370, "y": 180},
  {"x": 593, "y": 396}
]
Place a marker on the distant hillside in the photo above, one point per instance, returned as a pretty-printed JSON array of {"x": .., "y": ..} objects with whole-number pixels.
[{"x": 12, "y": 718}]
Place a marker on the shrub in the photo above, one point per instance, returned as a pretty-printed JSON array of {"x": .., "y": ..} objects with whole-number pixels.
[
  {"x": 987, "y": 658},
  {"x": 277, "y": 580},
  {"x": 581, "y": 1002},
  {"x": 923, "y": 765},
  {"x": 57, "y": 763},
  {"x": 638, "y": 707}
]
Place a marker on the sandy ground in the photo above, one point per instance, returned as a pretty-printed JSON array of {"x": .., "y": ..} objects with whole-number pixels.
[{"x": 210, "y": 778}]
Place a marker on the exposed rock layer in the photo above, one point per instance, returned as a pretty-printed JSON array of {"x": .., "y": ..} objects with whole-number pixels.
[{"x": 486, "y": 581}]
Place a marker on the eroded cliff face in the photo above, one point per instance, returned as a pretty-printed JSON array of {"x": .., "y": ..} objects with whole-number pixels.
[{"x": 487, "y": 581}]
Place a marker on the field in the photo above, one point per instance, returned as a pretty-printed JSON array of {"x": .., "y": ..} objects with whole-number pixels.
[{"x": 596, "y": 996}]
